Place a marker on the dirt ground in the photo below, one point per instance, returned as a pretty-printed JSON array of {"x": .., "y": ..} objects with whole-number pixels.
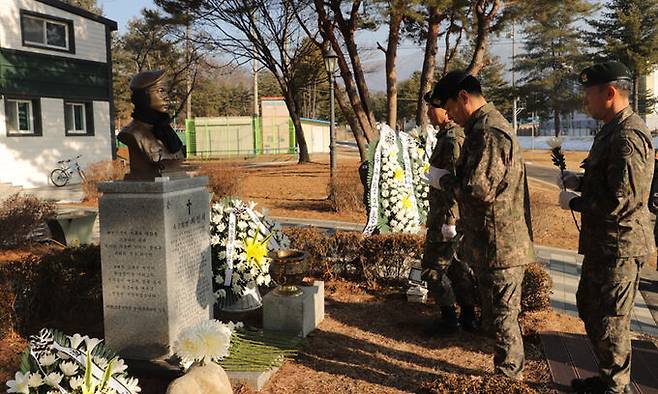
[
  {"x": 374, "y": 343},
  {"x": 301, "y": 191}
]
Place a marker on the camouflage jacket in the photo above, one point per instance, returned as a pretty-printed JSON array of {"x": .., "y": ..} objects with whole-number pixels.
[
  {"x": 615, "y": 190},
  {"x": 443, "y": 207},
  {"x": 490, "y": 190}
]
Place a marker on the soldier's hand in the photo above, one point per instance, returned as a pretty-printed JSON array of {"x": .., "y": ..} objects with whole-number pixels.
[
  {"x": 434, "y": 177},
  {"x": 449, "y": 231},
  {"x": 566, "y": 197},
  {"x": 571, "y": 180}
]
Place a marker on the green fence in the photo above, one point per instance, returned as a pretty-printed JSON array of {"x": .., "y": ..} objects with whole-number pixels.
[{"x": 228, "y": 136}]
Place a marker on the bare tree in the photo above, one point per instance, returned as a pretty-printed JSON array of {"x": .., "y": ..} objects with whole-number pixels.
[
  {"x": 264, "y": 30},
  {"x": 486, "y": 12}
]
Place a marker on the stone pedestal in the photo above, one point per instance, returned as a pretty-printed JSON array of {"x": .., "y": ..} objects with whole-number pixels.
[
  {"x": 156, "y": 268},
  {"x": 298, "y": 315}
]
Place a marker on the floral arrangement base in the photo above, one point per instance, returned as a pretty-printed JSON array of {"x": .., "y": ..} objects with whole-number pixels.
[{"x": 249, "y": 301}]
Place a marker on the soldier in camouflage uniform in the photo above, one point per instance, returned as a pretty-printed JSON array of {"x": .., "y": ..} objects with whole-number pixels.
[
  {"x": 490, "y": 190},
  {"x": 449, "y": 279},
  {"x": 615, "y": 237}
]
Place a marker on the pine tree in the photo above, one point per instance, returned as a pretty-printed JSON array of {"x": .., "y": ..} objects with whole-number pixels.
[
  {"x": 89, "y": 5},
  {"x": 552, "y": 58},
  {"x": 627, "y": 33}
]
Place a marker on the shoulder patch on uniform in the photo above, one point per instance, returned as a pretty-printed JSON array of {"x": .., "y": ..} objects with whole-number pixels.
[{"x": 625, "y": 148}]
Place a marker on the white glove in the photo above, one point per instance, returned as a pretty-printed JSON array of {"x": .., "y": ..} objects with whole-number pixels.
[
  {"x": 434, "y": 177},
  {"x": 571, "y": 180},
  {"x": 449, "y": 231},
  {"x": 566, "y": 197}
]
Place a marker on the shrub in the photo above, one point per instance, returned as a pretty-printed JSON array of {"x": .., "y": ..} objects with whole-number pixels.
[
  {"x": 348, "y": 254},
  {"x": 102, "y": 171},
  {"x": 28, "y": 286},
  {"x": 536, "y": 288},
  {"x": 388, "y": 256},
  {"x": 224, "y": 180},
  {"x": 20, "y": 217},
  {"x": 348, "y": 192},
  {"x": 454, "y": 383}
]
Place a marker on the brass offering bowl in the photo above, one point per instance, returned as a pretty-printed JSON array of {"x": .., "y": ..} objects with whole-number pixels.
[{"x": 287, "y": 268}]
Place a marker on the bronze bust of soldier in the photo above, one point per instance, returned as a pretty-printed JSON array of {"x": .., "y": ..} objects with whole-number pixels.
[{"x": 155, "y": 149}]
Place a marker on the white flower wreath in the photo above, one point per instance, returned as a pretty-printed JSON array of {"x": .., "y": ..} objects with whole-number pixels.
[{"x": 241, "y": 238}]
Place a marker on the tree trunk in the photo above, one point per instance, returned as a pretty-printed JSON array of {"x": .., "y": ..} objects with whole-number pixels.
[
  {"x": 484, "y": 20},
  {"x": 349, "y": 116},
  {"x": 391, "y": 70},
  {"x": 429, "y": 64},
  {"x": 296, "y": 121},
  {"x": 557, "y": 122},
  {"x": 360, "y": 111},
  {"x": 347, "y": 29}
]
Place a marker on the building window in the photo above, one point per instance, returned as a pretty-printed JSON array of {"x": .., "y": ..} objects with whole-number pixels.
[
  {"x": 22, "y": 117},
  {"x": 78, "y": 118},
  {"x": 47, "y": 32}
]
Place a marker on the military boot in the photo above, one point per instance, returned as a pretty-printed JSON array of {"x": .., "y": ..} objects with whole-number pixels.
[{"x": 467, "y": 319}]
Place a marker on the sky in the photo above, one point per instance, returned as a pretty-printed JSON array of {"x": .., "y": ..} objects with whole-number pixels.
[{"x": 410, "y": 55}]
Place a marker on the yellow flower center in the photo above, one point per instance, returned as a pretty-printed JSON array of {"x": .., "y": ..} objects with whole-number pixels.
[
  {"x": 426, "y": 167},
  {"x": 406, "y": 202},
  {"x": 256, "y": 251},
  {"x": 421, "y": 151},
  {"x": 399, "y": 174}
]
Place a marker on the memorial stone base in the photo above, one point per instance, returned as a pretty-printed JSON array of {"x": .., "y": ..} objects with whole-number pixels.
[
  {"x": 156, "y": 268},
  {"x": 298, "y": 315}
]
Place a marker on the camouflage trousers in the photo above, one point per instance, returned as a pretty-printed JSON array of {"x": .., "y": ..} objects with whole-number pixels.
[
  {"x": 449, "y": 280},
  {"x": 500, "y": 295},
  {"x": 605, "y": 298}
]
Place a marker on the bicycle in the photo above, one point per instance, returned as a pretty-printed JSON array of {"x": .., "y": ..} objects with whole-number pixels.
[{"x": 61, "y": 175}]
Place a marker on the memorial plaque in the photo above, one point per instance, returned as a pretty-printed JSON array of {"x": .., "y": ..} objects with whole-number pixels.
[{"x": 156, "y": 268}]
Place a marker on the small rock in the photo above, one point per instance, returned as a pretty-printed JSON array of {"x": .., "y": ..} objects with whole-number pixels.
[{"x": 205, "y": 379}]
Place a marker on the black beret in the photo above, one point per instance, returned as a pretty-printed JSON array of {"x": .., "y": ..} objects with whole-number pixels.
[
  {"x": 447, "y": 87},
  {"x": 601, "y": 73}
]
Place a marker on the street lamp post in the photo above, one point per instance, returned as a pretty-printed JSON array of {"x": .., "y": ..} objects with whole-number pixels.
[{"x": 330, "y": 63}]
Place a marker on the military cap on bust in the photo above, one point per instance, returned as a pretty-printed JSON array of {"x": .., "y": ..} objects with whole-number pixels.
[
  {"x": 447, "y": 87},
  {"x": 145, "y": 79},
  {"x": 605, "y": 72}
]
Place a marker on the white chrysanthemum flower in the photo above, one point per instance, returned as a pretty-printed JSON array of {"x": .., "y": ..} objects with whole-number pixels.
[
  {"x": 68, "y": 368},
  {"x": 215, "y": 218},
  {"x": 554, "y": 142},
  {"x": 221, "y": 293},
  {"x": 76, "y": 382},
  {"x": 47, "y": 360},
  {"x": 119, "y": 366},
  {"x": 242, "y": 225},
  {"x": 53, "y": 379},
  {"x": 91, "y": 343},
  {"x": 221, "y": 227},
  {"x": 205, "y": 342},
  {"x": 76, "y": 340},
  {"x": 19, "y": 384},
  {"x": 132, "y": 384},
  {"x": 35, "y": 379}
]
